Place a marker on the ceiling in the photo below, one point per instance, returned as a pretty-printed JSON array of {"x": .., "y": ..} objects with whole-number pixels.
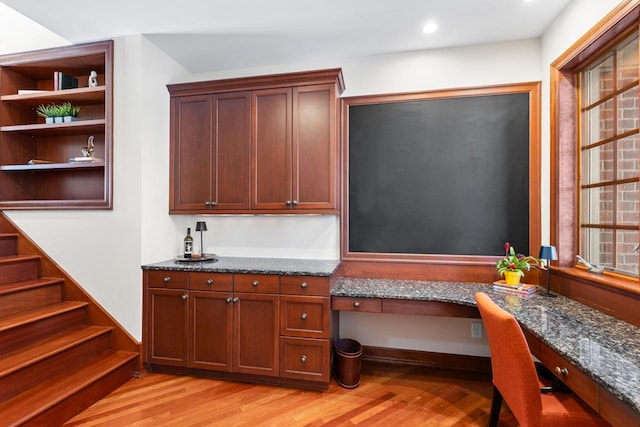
[{"x": 209, "y": 35}]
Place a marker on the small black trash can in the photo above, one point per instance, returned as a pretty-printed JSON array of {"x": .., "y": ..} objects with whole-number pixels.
[{"x": 348, "y": 361}]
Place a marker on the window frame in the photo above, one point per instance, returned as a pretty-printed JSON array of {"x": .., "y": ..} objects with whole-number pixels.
[{"x": 564, "y": 144}]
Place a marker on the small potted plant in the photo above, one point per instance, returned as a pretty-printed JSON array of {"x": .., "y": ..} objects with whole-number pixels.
[
  {"x": 54, "y": 113},
  {"x": 513, "y": 265},
  {"x": 49, "y": 112}
]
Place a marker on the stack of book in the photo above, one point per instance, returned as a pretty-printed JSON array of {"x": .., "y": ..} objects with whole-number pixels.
[
  {"x": 522, "y": 289},
  {"x": 63, "y": 81}
]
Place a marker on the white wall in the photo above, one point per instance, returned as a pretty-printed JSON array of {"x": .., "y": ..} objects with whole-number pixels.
[{"x": 139, "y": 229}]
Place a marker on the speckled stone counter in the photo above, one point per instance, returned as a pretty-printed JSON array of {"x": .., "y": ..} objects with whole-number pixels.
[
  {"x": 603, "y": 347},
  {"x": 282, "y": 266}
]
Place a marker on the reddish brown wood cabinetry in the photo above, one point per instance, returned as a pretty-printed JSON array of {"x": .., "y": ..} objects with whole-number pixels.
[
  {"x": 265, "y": 144},
  {"x": 211, "y": 152},
  {"x": 35, "y": 167},
  {"x": 239, "y": 325}
]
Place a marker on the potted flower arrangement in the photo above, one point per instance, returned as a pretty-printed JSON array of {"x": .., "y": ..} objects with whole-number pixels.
[{"x": 513, "y": 265}]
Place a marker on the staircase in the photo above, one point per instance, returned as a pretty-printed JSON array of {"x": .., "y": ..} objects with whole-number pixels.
[{"x": 58, "y": 354}]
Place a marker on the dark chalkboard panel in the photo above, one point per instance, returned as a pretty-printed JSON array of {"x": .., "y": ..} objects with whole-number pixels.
[{"x": 439, "y": 176}]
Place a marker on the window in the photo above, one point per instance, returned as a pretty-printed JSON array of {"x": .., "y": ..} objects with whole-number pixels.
[{"x": 609, "y": 154}]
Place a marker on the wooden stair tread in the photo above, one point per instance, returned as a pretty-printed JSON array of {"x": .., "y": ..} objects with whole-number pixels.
[
  {"x": 24, "y": 285},
  {"x": 17, "y": 258},
  {"x": 39, "y": 314},
  {"x": 28, "y": 355},
  {"x": 54, "y": 390}
]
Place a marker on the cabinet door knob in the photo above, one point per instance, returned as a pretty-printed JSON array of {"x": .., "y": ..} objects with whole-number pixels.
[
  {"x": 356, "y": 304},
  {"x": 304, "y": 316},
  {"x": 295, "y": 202},
  {"x": 209, "y": 282},
  {"x": 166, "y": 279},
  {"x": 303, "y": 285},
  {"x": 561, "y": 371},
  {"x": 235, "y": 299},
  {"x": 184, "y": 297},
  {"x": 228, "y": 300},
  {"x": 303, "y": 359},
  {"x": 288, "y": 203},
  {"x": 255, "y": 283},
  {"x": 210, "y": 204}
]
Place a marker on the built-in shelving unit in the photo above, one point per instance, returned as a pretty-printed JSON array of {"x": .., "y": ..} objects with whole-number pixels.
[{"x": 27, "y": 81}]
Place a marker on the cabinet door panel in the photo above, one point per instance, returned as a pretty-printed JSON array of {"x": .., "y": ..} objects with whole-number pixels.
[
  {"x": 211, "y": 331},
  {"x": 314, "y": 149},
  {"x": 167, "y": 323},
  {"x": 271, "y": 148},
  {"x": 232, "y": 153},
  {"x": 305, "y": 359},
  {"x": 256, "y": 337},
  {"x": 192, "y": 154}
]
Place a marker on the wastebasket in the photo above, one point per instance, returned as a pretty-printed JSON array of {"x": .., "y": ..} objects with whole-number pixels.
[{"x": 348, "y": 360}]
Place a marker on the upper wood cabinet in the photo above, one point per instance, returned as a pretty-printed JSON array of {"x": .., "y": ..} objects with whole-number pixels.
[
  {"x": 36, "y": 171},
  {"x": 265, "y": 144}
]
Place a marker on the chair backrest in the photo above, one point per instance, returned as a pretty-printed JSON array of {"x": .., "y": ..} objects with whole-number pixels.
[{"x": 514, "y": 373}]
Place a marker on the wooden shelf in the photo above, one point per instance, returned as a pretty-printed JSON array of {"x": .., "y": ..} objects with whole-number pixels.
[
  {"x": 52, "y": 166},
  {"x": 83, "y": 95},
  {"x": 70, "y": 128},
  {"x": 24, "y": 135}
]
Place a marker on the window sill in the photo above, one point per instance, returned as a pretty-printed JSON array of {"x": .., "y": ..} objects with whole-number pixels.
[{"x": 609, "y": 281}]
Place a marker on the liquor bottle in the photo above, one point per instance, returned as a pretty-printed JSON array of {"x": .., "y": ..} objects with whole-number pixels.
[{"x": 188, "y": 244}]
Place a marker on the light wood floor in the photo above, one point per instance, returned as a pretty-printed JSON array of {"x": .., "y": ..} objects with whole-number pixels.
[{"x": 388, "y": 395}]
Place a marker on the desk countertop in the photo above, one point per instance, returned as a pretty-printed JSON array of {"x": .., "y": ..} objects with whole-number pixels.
[{"x": 603, "y": 347}]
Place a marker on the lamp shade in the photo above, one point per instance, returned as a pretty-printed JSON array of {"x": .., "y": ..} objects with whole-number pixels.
[
  {"x": 548, "y": 253},
  {"x": 202, "y": 226}
]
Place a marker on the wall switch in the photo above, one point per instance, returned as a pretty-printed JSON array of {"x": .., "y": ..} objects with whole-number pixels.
[{"x": 476, "y": 329}]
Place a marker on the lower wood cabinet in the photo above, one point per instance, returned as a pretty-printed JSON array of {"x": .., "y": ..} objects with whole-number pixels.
[{"x": 239, "y": 326}]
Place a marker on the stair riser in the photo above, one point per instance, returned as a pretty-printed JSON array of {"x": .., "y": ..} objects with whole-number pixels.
[
  {"x": 81, "y": 400},
  {"x": 30, "y": 299},
  {"x": 8, "y": 246},
  {"x": 69, "y": 359},
  {"x": 19, "y": 270},
  {"x": 23, "y": 335}
]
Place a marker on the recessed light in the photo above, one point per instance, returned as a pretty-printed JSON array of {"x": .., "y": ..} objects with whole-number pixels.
[{"x": 430, "y": 27}]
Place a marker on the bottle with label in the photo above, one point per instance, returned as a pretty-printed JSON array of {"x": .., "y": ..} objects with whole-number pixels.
[{"x": 188, "y": 244}]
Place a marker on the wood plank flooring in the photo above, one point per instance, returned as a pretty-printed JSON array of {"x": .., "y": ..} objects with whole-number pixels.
[{"x": 388, "y": 395}]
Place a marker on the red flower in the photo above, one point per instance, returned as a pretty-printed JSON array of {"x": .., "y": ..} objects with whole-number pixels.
[
  {"x": 506, "y": 248},
  {"x": 512, "y": 266}
]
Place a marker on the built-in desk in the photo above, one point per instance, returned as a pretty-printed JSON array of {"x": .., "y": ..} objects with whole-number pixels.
[{"x": 597, "y": 355}]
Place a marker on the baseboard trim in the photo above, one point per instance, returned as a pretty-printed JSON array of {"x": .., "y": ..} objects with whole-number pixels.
[{"x": 426, "y": 358}]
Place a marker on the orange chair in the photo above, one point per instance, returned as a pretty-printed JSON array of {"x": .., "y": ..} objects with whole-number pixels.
[{"x": 515, "y": 378}]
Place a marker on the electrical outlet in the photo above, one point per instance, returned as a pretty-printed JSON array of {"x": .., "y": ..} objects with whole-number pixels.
[{"x": 476, "y": 329}]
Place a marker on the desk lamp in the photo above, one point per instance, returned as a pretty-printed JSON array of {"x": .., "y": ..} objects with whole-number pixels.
[
  {"x": 548, "y": 253},
  {"x": 201, "y": 226}
]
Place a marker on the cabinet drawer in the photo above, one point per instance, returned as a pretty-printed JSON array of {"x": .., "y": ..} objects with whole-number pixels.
[
  {"x": 306, "y": 359},
  {"x": 167, "y": 279},
  {"x": 205, "y": 281},
  {"x": 304, "y": 316},
  {"x": 371, "y": 305},
  {"x": 258, "y": 283},
  {"x": 304, "y": 285},
  {"x": 575, "y": 379}
]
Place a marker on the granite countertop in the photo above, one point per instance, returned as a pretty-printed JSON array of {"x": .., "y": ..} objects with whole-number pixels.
[
  {"x": 282, "y": 266},
  {"x": 603, "y": 347}
]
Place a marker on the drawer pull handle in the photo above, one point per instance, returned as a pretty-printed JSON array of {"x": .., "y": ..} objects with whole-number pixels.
[
  {"x": 166, "y": 279},
  {"x": 303, "y": 285},
  {"x": 235, "y": 299},
  {"x": 562, "y": 371},
  {"x": 304, "y": 316},
  {"x": 356, "y": 304},
  {"x": 255, "y": 283},
  {"x": 303, "y": 359},
  {"x": 209, "y": 282},
  {"x": 228, "y": 300},
  {"x": 184, "y": 297}
]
